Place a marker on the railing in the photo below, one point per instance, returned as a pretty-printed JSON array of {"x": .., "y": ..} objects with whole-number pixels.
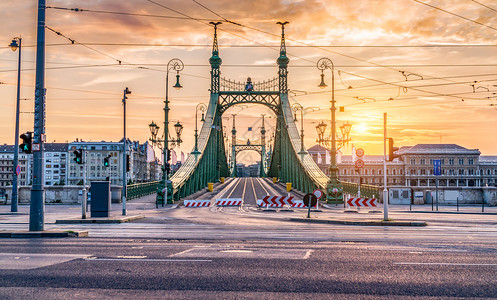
[
  {"x": 366, "y": 189},
  {"x": 141, "y": 189},
  {"x": 236, "y": 86}
]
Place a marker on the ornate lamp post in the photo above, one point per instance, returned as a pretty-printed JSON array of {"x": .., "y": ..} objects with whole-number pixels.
[
  {"x": 334, "y": 190},
  {"x": 14, "y": 201},
  {"x": 165, "y": 190},
  {"x": 200, "y": 107},
  {"x": 298, "y": 107}
]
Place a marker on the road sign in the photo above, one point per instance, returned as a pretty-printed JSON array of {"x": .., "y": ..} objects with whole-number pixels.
[
  {"x": 310, "y": 198},
  {"x": 318, "y": 193},
  {"x": 359, "y": 163},
  {"x": 437, "y": 167},
  {"x": 359, "y": 152},
  {"x": 18, "y": 170},
  {"x": 366, "y": 202},
  {"x": 35, "y": 147}
]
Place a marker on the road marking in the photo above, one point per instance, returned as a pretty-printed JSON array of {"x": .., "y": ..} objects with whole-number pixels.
[
  {"x": 253, "y": 189},
  {"x": 442, "y": 264},
  {"x": 148, "y": 259},
  {"x": 308, "y": 254},
  {"x": 25, "y": 261}
]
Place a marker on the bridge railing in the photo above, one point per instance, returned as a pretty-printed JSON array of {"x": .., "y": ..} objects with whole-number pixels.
[
  {"x": 138, "y": 190},
  {"x": 367, "y": 190}
]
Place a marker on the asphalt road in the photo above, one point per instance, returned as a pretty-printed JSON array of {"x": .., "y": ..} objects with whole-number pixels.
[{"x": 150, "y": 268}]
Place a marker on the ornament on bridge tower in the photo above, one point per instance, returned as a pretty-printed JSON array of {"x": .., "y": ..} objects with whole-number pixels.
[{"x": 249, "y": 87}]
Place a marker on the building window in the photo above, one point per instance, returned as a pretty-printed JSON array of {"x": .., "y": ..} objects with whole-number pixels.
[
  {"x": 413, "y": 161},
  {"x": 471, "y": 172},
  {"x": 422, "y": 161},
  {"x": 423, "y": 172},
  {"x": 461, "y": 171},
  {"x": 470, "y": 161},
  {"x": 442, "y": 161},
  {"x": 451, "y": 161},
  {"x": 461, "y": 161}
]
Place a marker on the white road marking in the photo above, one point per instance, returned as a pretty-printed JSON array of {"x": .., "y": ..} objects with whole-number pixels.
[
  {"x": 148, "y": 259},
  {"x": 442, "y": 264},
  {"x": 24, "y": 261},
  {"x": 308, "y": 254}
]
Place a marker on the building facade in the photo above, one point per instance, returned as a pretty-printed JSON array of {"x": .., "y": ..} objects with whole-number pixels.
[{"x": 7, "y": 166}]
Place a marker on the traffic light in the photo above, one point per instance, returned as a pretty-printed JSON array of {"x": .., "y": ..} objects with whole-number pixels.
[
  {"x": 106, "y": 161},
  {"x": 127, "y": 163},
  {"x": 79, "y": 156},
  {"x": 167, "y": 167},
  {"x": 392, "y": 150},
  {"x": 26, "y": 142}
]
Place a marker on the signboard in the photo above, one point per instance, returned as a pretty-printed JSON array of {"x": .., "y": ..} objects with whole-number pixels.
[
  {"x": 318, "y": 193},
  {"x": 310, "y": 200},
  {"x": 437, "y": 167},
  {"x": 359, "y": 152},
  {"x": 359, "y": 163},
  {"x": 35, "y": 147},
  {"x": 18, "y": 170}
]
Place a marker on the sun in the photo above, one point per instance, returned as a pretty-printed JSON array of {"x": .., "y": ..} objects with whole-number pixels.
[{"x": 360, "y": 129}]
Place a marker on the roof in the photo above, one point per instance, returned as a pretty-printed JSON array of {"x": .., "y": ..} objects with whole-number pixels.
[
  {"x": 56, "y": 147},
  {"x": 317, "y": 148},
  {"x": 438, "y": 149}
]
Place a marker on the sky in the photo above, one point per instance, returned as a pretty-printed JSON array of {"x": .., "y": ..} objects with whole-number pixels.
[{"x": 430, "y": 65}]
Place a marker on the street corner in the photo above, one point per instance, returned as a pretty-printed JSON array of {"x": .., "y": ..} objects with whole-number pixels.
[{"x": 102, "y": 220}]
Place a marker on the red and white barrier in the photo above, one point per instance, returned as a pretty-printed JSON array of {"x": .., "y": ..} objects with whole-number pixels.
[
  {"x": 276, "y": 201},
  {"x": 229, "y": 202},
  {"x": 362, "y": 202},
  {"x": 196, "y": 203},
  {"x": 300, "y": 204}
]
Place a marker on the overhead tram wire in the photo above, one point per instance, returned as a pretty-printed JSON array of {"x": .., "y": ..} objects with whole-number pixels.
[
  {"x": 456, "y": 15},
  {"x": 197, "y": 19},
  {"x": 491, "y": 8},
  {"x": 124, "y": 13}
]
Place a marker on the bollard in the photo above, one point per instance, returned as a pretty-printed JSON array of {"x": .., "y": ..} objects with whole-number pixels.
[
  {"x": 222, "y": 179},
  {"x": 288, "y": 186},
  {"x": 210, "y": 186},
  {"x": 275, "y": 179}
]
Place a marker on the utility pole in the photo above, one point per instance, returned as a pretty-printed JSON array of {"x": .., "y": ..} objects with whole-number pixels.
[
  {"x": 385, "y": 191},
  {"x": 37, "y": 206},
  {"x": 84, "y": 201}
]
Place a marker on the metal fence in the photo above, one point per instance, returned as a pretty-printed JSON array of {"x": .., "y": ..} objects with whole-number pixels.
[
  {"x": 141, "y": 189},
  {"x": 366, "y": 189}
]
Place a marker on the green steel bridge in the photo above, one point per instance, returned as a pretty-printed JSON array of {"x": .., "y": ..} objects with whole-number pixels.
[{"x": 287, "y": 162}]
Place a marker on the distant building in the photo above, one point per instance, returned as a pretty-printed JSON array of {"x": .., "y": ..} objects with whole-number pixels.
[
  {"x": 461, "y": 168},
  {"x": 7, "y": 166},
  {"x": 55, "y": 164}
]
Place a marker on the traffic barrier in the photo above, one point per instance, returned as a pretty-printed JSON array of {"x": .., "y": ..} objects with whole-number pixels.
[
  {"x": 300, "y": 204},
  {"x": 229, "y": 202},
  {"x": 365, "y": 202},
  {"x": 196, "y": 203},
  {"x": 276, "y": 201}
]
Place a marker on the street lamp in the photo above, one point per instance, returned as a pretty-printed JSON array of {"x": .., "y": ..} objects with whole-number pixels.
[
  {"x": 176, "y": 65},
  {"x": 200, "y": 107},
  {"x": 125, "y": 166},
  {"x": 298, "y": 107},
  {"x": 334, "y": 189},
  {"x": 15, "y": 198}
]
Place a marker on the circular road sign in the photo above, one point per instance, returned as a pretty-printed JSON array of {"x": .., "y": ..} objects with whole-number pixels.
[
  {"x": 359, "y": 152},
  {"x": 335, "y": 191},
  {"x": 359, "y": 163},
  {"x": 318, "y": 193},
  {"x": 18, "y": 170},
  {"x": 310, "y": 198}
]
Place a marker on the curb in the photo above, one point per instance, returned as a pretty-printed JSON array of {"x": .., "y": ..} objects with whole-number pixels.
[
  {"x": 362, "y": 223},
  {"x": 99, "y": 221},
  {"x": 43, "y": 234}
]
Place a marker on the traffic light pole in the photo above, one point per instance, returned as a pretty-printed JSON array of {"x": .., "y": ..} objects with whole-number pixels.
[
  {"x": 385, "y": 191},
  {"x": 84, "y": 200},
  {"x": 37, "y": 206},
  {"x": 15, "y": 198},
  {"x": 123, "y": 192}
]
